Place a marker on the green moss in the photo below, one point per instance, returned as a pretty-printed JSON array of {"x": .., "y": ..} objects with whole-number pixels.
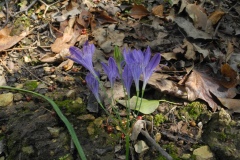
[
  {"x": 20, "y": 25},
  {"x": 73, "y": 106},
  {"x": 193, "y": 110},
  {"x": 172, "y": 150},
  {"x": 158, "y": 119},
  {"x": 222, "y": 136},
  {"x": 31, "y": 85},
  {"x": 66, "y": 157}
]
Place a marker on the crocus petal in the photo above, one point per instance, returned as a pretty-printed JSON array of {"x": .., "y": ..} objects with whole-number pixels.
[
  {"x": 84, "y": 56},
  {"x": 93, "y": 85},
  {"x": 148, "y": 71},
  {"x": 111, "y": 70},
  {"x": 136, "y": 73},
  {"x": 138, "y": 56},
  {"x": 127, "y": 78},
  {"x": 147, "y": 56},
  {"x": 128, "y": 56}
]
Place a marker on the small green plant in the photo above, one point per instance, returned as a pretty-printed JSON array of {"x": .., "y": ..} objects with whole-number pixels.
[{"x": 158, "y": 119}]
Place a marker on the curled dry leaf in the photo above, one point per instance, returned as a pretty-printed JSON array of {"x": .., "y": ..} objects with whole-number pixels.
[
  {"x": 212, "y": 20},
  {"x": 138, "y": 11},
  {"x": 230, "y": 75},
  {"x": 216, "y": 16},
  {"x": 200, "y": 85},
  {"x": 102, "y": 17},
  {"x": 137, "y": 127},
  {"x": 158, "y": 11}
]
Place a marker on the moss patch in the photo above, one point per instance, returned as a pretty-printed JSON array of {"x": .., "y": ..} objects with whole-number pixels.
[
  {"x": 31, "y": 85},
  {"x": 73, "y": 106},
  {"x": 193, "y": 110}
]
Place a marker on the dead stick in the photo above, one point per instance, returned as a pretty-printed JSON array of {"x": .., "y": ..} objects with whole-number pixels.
[{"x": 157, "y": 146}]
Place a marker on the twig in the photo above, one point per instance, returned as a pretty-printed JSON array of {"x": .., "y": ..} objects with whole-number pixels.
[
  {"x": 6, "y": 50},
  {"x": 8, "y": 70},
  {"x": 40, "y": 66},
  {"x": 157, "y": 146},
  {"x": 47, "y": 6},
  {"x": 36, "y": 76},
  {"x": 7, "y": 18},
  {"x": 26, "y": 9}
]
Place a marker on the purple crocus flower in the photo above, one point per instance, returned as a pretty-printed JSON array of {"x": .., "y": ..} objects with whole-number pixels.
[
  {"x": 148, "y": 70},
  {"x": 127, "y": 78},
  {"x": 134, "y": 60},
  {"x": 111, "y": 70},
  {"x": 84, "y": 56},
  {"x": 93, "y": 85}
]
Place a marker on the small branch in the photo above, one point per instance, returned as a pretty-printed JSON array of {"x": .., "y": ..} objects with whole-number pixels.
[
  {"x": 157, "y": 146},
  {"x": 26, "y": 9},
  {"x": 47, "y": 7},
  {"x": 36, "y": 76}
]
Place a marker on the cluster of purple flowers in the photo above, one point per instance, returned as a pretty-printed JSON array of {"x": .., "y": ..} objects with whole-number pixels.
[{"x": 136, "y": 63}]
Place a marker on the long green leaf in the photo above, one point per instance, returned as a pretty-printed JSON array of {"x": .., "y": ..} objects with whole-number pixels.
[{"x": 61, "y": 116}]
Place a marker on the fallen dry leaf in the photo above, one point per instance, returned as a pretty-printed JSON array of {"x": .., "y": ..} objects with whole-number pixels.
[
  {"x": 191, "y": 30},
  {"x": 190, "y": 53},
  {"x": 204, "y": 52},
  {"x": 199, "y": 85},
  {"x": 161, "y": 83},
  {"x": 137, "y": 127},
  {"x": 107, "y": 38},
  {"x": 216, "y": 16},
  {"x": 7, "y": 41},
  {"x": 84, "y": 18},
  {"x": 230, "y": 49},
  {"x": 66, "y": 14},
  {"x": 169, "y": 55},
  {"x": 212, "y": 20},
  {"x": 184, "y": 3},
  {"x": 138, "y": 11},
  {"x": 231, "y": 76},
  {"x": 198, "y": 16},
  {"x": 102, "y": 17},
  {"x": 158, "y": 11},
  {"x": 232, "y": 104}
]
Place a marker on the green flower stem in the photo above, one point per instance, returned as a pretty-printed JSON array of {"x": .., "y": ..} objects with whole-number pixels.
[
  {"x": 127, "y": 138},
  {"x": 110, "y": 100},
  {"x": 61, "y": 116},
  {"x": 136, "y": 101},
  {"x": 140, "y": 102}
]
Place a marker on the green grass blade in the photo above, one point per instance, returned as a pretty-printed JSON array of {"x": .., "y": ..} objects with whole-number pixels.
[{"x": 61, "y": 116}]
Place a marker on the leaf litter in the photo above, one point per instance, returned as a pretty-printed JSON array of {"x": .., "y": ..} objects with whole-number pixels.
[{"x": 200, "y": 53}]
